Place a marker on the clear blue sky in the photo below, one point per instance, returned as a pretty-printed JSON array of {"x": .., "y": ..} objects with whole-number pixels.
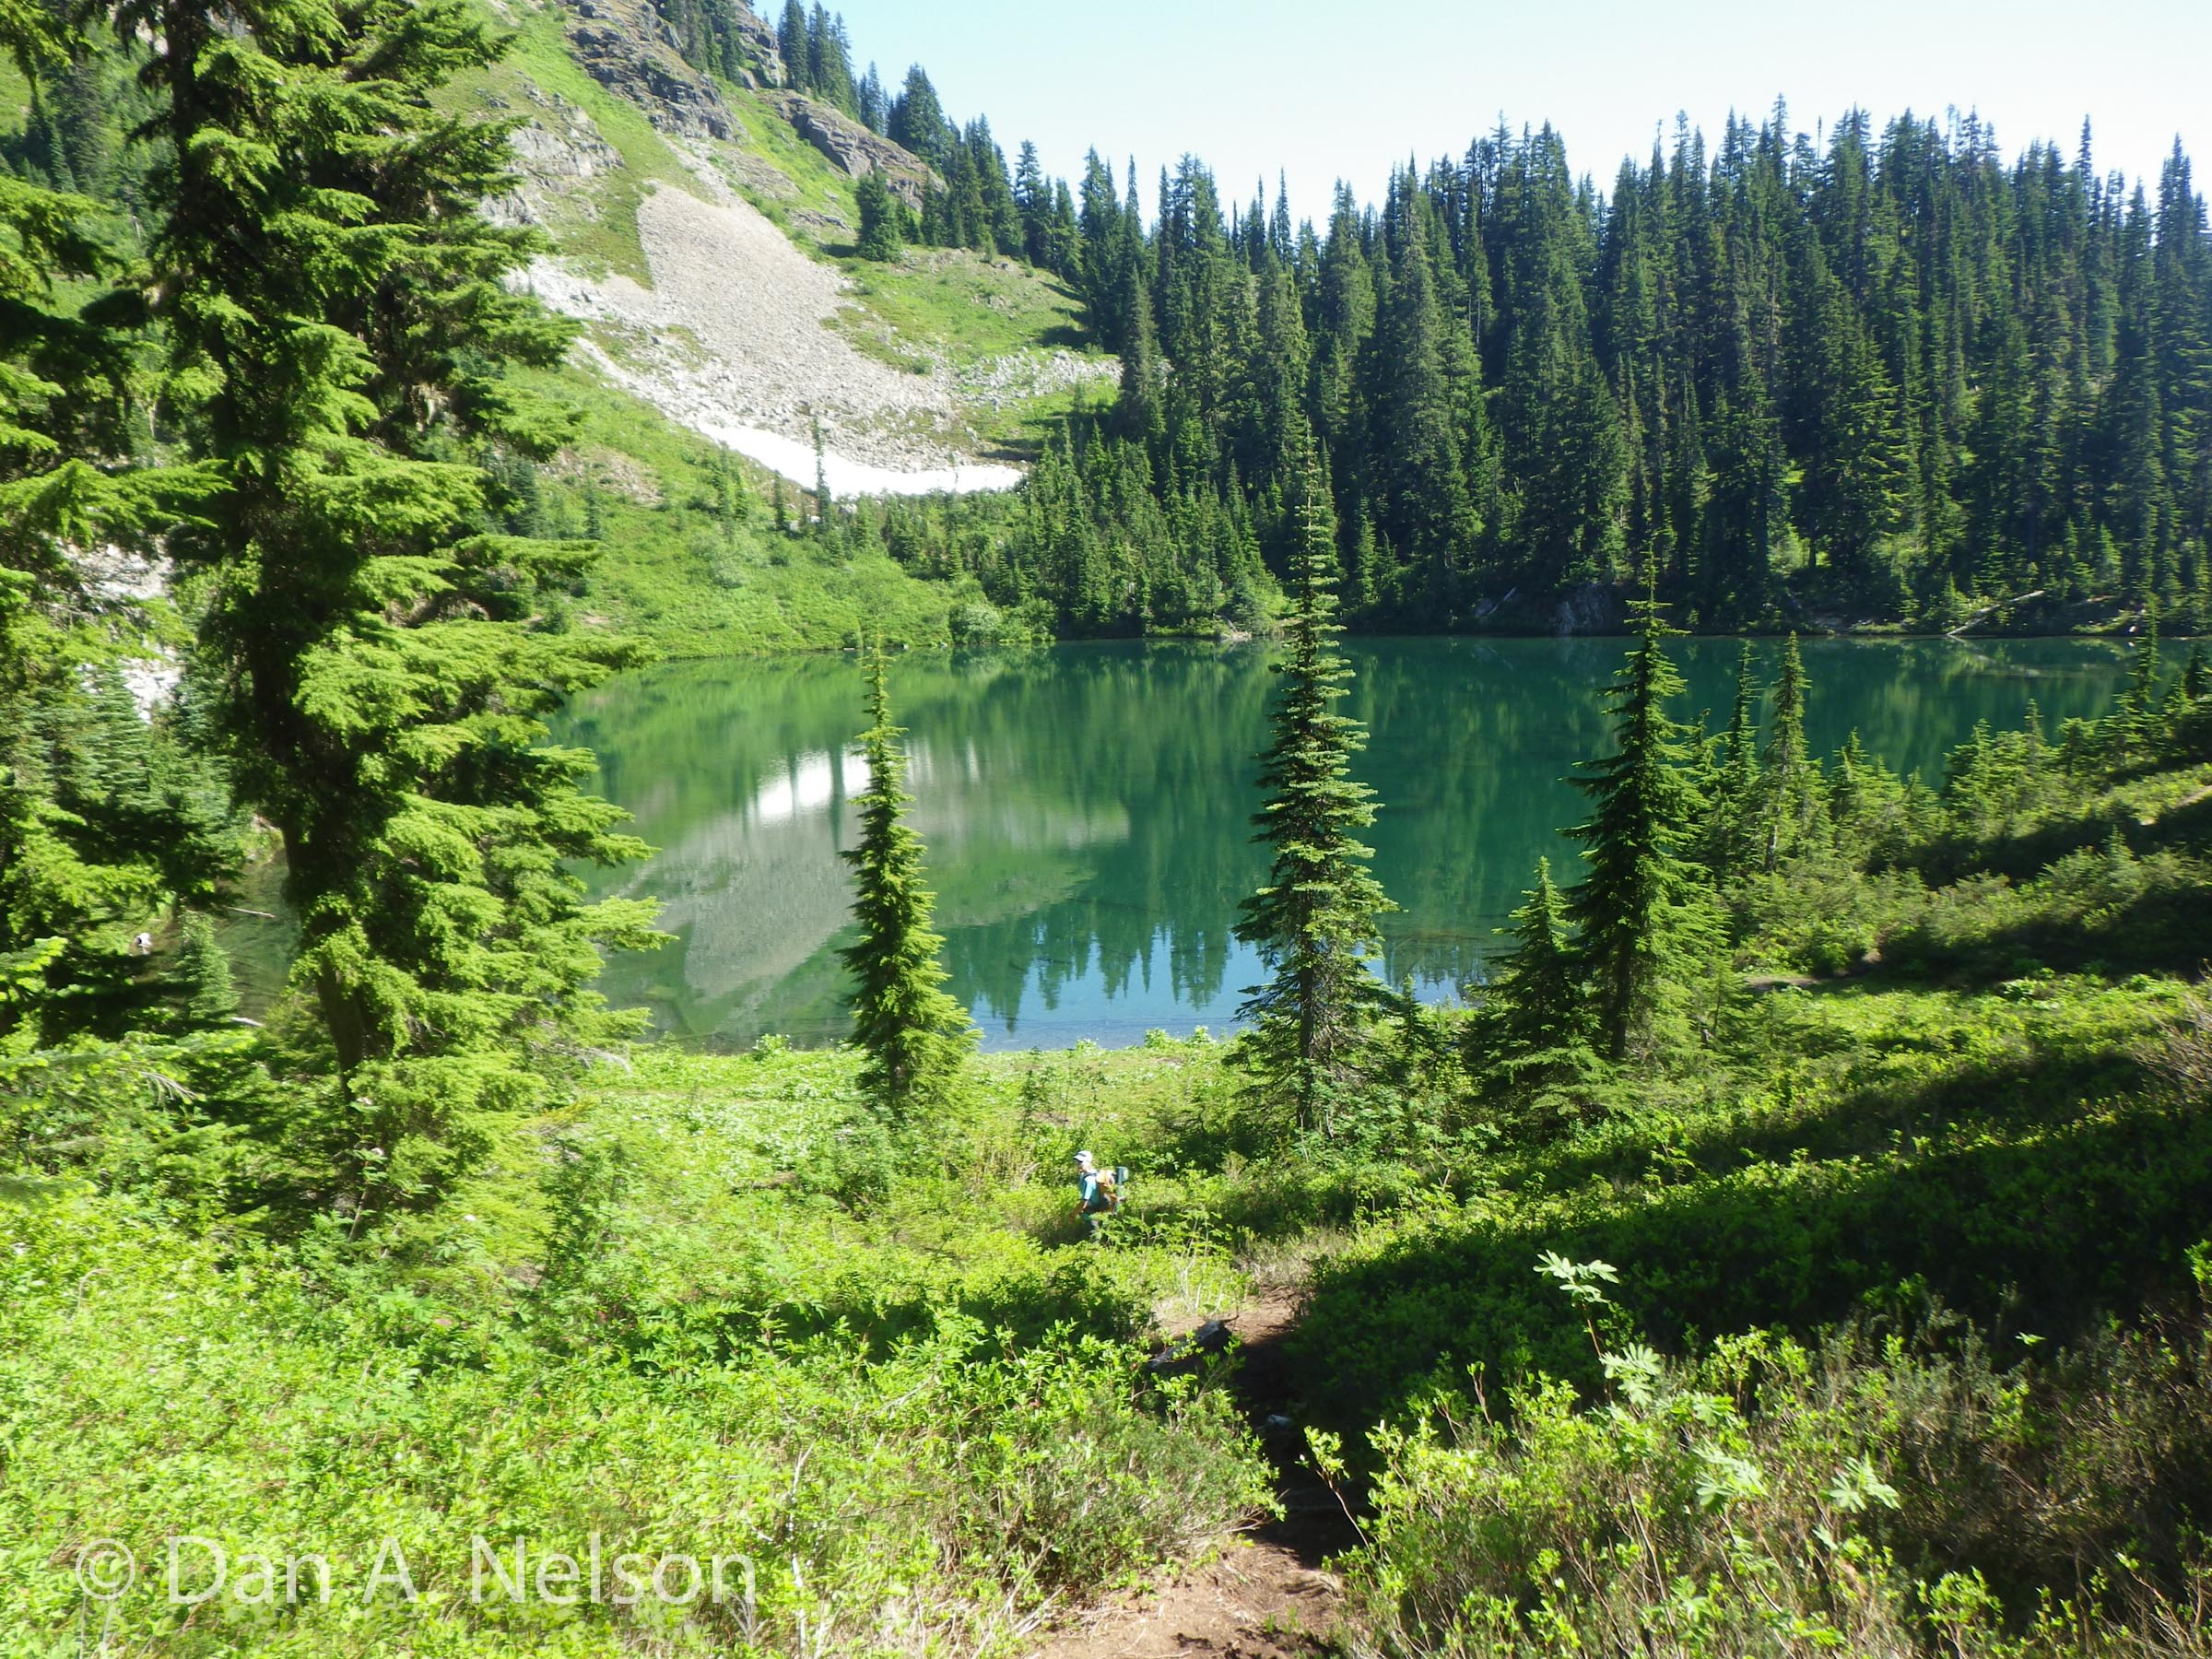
[{"x": 1324, "y": 92}]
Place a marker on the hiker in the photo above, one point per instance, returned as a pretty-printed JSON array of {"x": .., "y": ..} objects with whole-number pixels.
[{"x": 1099, "y": 1195}]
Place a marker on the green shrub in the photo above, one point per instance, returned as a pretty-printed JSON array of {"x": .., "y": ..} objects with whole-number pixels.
[
  {"x": 282, "y": 1402},
  {"x": 1774, "y": 1498},
  {"x": 2004, "y": 1152}
]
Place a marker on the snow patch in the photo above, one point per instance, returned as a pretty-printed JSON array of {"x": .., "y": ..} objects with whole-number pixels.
[{"x": 848, "y": 477}]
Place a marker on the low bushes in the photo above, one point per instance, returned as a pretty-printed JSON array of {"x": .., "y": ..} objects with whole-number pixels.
[
  {"x": 644, "y": 1321},
  {"x": 1882, "y": 1493}
]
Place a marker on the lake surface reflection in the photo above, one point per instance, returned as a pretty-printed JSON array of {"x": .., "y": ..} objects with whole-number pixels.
[{"x": 1088, "y": 808}]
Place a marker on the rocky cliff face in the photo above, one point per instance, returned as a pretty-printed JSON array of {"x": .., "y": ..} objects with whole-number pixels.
[
  {"x": 624, "y": 46},
  {"x": 627, "y": 48},
  {"x": 854, "y": 148},
  {"x": 760, "y": 44}
]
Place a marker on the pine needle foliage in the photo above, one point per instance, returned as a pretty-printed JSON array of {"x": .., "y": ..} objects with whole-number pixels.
[
  {"x": 915, "y": 1034},
  {"x": 1314, "y": 921},
  {"x": 1793, "y": 810},
  {"x": 1640, "y": 912},
  {"x": 201, "y": 974},
  {"x": 339, "y": 330},
  {"x": 1535, "y": 1001},
  {"x": 879, "y": 228},
  {"x": 100, "y": 820},
  {"x": 1732, "y": 821}
]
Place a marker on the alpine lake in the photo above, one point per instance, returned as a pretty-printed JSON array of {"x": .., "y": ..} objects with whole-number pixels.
[{"x": 1088, "y": 808}]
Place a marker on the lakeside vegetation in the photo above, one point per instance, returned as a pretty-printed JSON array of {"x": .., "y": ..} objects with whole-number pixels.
[
  {"x": 1798, "y": 1244},
  {"x": 1921, "y": 1246}
]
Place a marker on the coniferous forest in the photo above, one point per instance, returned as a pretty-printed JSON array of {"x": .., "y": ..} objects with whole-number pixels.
[
  {"x": 1895, "y": 373},
  {"x": 1899, "y": 376},
  {"x": 1791, "y": 1235}
]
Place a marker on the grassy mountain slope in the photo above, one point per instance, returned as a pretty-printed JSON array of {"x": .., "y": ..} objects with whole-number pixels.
[
  {"x": 694, "y": 576},
  {"x": 693, "y": 563}
]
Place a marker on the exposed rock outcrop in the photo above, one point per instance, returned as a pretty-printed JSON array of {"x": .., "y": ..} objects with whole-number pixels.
[
  {"x": 627, "y": 48},
  {"x": 761, "y": 46},
  {"x": 563, "y": 146},
  {"x": 623, "y": 45},
  {"x": 854, "y": 148},
  {"x": 557, "y": 157}
]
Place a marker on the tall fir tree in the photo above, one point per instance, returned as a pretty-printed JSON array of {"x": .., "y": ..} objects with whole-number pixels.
[
  {"x": 880, "y": 227},
  {"x": 2138, "y": 724},
  {"x": 103, "y": 821},
  {"x": 1793, "y": 800},
  {"x": 1536, "y": 1007},
  {"x": 1422, "y": 501},
  {"x": 207, "y": 996},
  {"x": 1314, "y": 921},
  {"x": 791, "y": 46},
  {"x": 912, "y": 1034},
  {"x": 1731, "y": 840},
  {"x": 917, "y": 120},
  {"x": 1640, "y": 915},
  {"x": 339, "y": 325}
]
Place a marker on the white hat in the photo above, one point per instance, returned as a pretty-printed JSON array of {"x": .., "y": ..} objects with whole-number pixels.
[{"x": 1083, "y": 1158}]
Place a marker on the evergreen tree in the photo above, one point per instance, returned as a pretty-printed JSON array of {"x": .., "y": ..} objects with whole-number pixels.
[
  {"x": 1869, "y": 805},
  {"x": 829, "y": 60},
  {"x": 874, "y": 102},
  {"x": 1064, "y": 237},
  {"x": 913, "y": 1035},
  {"x": 1793, "y": 797},
  {"x": 45, "y": 155},
  {"x": 339, "y": 325},
  {"x": 2196, "y": 675},
  {"x": 1140, "y": 410},
  {"x": 1423, "y": 504},
  {"x": 1639, "y": 913},
  {"x": 1742, "y": 513},
  {"x": 103, "y": 822},
  {"x": 790, "y": 46},
  {"x": 1314, "y": 921},
  {"x": 201, "y": 972},
  {"x": 997, "y": 212},
  {"x": 2138, "y": 724},
  {"x": 1033, "y": 202},
  {"x": 878, "y": 219},
  {"x": 1535, "y": 1003},
  {"x": 1731, "y": 822},
  {"x": 917, "y": 121}
]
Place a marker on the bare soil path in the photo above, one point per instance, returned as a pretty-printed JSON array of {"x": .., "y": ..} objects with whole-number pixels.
[{"x": 1267, "y": 1594}]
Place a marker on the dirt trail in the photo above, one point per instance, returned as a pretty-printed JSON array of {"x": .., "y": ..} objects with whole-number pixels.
[{"x": 1266, "y": 1596}]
